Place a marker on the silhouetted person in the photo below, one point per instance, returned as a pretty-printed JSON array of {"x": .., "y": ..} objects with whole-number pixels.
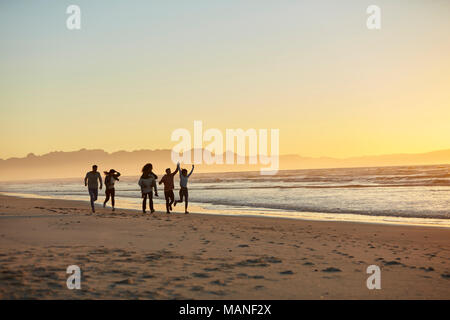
[
  {"x": 110, "y": 178},
  {"x": 167, "y": 179},
  {"x": 147, "y": 182},
  {"x": 91, "y": 181},
  {"x": 184, "y": 176}
]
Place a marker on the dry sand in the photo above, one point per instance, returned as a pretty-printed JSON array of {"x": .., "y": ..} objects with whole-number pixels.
[{"x": 126, "y": 255}]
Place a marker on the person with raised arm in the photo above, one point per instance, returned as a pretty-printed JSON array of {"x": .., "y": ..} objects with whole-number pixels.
[
  {"x": 167, "y": 179},
  {"x": 184, "y": 176},
  {"x": 111, "y": 177}
]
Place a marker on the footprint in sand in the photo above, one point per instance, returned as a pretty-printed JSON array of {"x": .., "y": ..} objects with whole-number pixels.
[
  {"x": 211, "y": 269},
  {"x": 331, "y": 269},
  {"x": 200, "y": 275},
  {"x": 429, "y": 269},
  {"x": 125, "y": 282},
  {"x": 392, "y": 263},
  {"x": 287, "y": 272},
  {"x": 196, "y": 288},
  {"x": 261, "y": 262},
  {"x": 217, "y": 293},
  {"x": 244, "y": 275},
  {"x": 218, "y": 283}
]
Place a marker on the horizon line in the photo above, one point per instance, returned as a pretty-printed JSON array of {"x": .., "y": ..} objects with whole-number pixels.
[{"x": 287, "y": 154}]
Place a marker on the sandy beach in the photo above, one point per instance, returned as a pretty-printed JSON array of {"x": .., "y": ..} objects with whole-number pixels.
[{"x": 128, "y": 255}]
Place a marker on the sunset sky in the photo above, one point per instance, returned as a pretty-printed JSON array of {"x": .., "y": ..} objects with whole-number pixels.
[{"x": 137, "y": 70}]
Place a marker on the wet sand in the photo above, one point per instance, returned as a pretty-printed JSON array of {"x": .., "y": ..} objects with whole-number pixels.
[{"x": 128, "y": 255}]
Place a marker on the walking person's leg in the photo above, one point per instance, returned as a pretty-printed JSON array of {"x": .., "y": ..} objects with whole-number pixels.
[
  {"x": 186, "y": 197},
  {"x": 93, "y": 194},
  {"x": 167, "y": 197},
  {"x": 172, "y": 199},
  {"x": 150, "y": 199},
  {"x": 107, "y": 198},
  {"x": 113, "y": 193},
  {"x": 181, "y": 198},
  {"x": 144, "y": 202}
]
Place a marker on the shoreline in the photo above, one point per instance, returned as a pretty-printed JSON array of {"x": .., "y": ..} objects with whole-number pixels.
[
  {"x": 128, "y": 255},
  {"x": 270, "y": 213}
]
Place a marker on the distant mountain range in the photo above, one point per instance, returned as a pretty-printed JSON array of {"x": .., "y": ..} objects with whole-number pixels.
[{"x": 76, "y": 163}]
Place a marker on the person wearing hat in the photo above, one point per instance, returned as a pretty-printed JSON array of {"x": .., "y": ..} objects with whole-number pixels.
[{"x": 111, "y": 177}]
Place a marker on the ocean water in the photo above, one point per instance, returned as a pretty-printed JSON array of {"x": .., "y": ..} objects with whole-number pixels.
[{"x": 405, "y": 192}]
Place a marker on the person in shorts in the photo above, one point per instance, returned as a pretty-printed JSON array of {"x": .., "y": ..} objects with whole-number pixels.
[
  {"x": 167, "y": 179},
  {"x": 184, "y": 176}
]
